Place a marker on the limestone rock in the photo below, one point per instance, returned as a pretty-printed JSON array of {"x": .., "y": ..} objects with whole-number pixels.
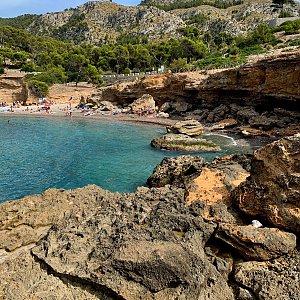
[
  {"x": 272, "y": 280},
  {"x": 24, "y": 277},
  {"x": 104, "y": 18},
  {"x": 263, "y": 122},
  {"x": 180, "y": 106},
  {"x": 165, "y": 107},
  {"x": 248, "y": 132},
  {"x": 25, "y": 222},
  {"x": 214, "y": 185},
  {"x": 226, "y": 123},
  {"x": 106, "y": 106},
  {"x": 144, "y": 104},
  {"x": 188, "y": 127},
  {"x": 177, "y": 171},
  {"x": 143, "y": 244},
  {"x": 275, "y": 75},
  {"x": 182, "y": 142},
  {"x": 218, "y": 113},
  {"x": 246, "y": 113},
  {"x": 273, "y": 189},
  {"x": 257, "y": 243}
]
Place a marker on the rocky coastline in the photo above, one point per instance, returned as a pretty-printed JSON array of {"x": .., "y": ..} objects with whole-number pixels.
[
  {"x": 191, "y": 234},
  {"x": 200, "y": 231},
  {"x": 259, "y": 99}
]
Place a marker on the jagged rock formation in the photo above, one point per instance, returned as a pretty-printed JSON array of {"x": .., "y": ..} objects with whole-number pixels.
[
  {"x": 177, "y": 171},
  {"x": 156, "y": 243},
  {"x": 254, "y": 84},
  {"x": 274, "y": 181},
  {"x": 237, "y": 19}
]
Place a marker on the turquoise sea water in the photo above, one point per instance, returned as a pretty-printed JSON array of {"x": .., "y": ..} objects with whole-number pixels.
[{"x": 41, "y": 153}]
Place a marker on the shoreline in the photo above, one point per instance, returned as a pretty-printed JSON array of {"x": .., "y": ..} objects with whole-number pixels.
[{"x": 77, "y": 114}]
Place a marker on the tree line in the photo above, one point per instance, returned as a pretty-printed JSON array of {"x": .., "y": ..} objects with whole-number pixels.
[{"x": 55, "y": 61}]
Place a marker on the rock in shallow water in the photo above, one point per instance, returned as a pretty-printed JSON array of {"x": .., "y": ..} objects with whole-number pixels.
[{"x": 181, "y": 142}]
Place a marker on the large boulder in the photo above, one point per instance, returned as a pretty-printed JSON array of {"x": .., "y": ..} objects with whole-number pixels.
[
  {"x": 107, "y": 106},
  {"x": 188, "y": 127},
  {"x": 264, "y": 123},
  {"x": 226, "y": 123},
  {"x": 244, "y": 114},
  {"x": 182, "y": 142},
  {"x": 257, "y": 243},
  {"x": 177, "y": 171},
  {"x": 273, "y": 189},
  {"x": 218, "y": 113},
  {"x": 144, "y": 104}
]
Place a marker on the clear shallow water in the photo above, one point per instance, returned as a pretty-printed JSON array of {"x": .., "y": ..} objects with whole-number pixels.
[{"x": 40, "y": 153}]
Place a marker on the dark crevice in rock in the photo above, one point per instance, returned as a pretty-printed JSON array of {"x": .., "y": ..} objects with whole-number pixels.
[
  {"x": 232, "y": 282},
  {"x": 100, "y": 291}
]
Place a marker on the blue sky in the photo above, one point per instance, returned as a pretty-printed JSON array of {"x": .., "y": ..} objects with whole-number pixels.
[{"x": 12, "y": 8}]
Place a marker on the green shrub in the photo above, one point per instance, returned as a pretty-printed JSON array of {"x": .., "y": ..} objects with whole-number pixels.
[
  {"x": 219, "y": 62},
  {"x": 285, "y": 14},
  {"x": 38, "y": 88}
]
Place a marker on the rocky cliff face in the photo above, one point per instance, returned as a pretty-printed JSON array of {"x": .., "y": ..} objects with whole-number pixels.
[
  {"x": 157, "y": 243},
  {"x": 272, "y": 80},
  {"x": 264, "y": 93},
  {"x": 13, "y": 87}
]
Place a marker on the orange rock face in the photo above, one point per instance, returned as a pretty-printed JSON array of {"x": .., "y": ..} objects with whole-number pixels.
[
  {"x": 215, "y": 185},
  {"x": 276, "y": 76}
]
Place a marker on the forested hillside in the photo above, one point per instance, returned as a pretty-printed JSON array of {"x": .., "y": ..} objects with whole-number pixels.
[
  {"x": 57, "y": 61},
  {"x": 106, "y": 38}
]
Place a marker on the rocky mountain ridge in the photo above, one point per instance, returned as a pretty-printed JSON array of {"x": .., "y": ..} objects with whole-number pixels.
[{"x": 99, "y": 22}]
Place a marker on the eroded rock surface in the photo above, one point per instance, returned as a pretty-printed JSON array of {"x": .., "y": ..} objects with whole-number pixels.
[
  {"x": 144, "y": 104},
  {"x": 276, "y": 279},
  {"x": 273, "y": 190},
  {"x": 257, "y": 243},
  {"x": 178, "y": 171},
  {"x": 145, "y": 245}
]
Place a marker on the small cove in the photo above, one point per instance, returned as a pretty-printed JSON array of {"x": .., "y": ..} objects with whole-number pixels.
[{"x": 41, "y": 153}]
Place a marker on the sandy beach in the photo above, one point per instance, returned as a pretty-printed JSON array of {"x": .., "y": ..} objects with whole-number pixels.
[{"x": 60, "y": 110}]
